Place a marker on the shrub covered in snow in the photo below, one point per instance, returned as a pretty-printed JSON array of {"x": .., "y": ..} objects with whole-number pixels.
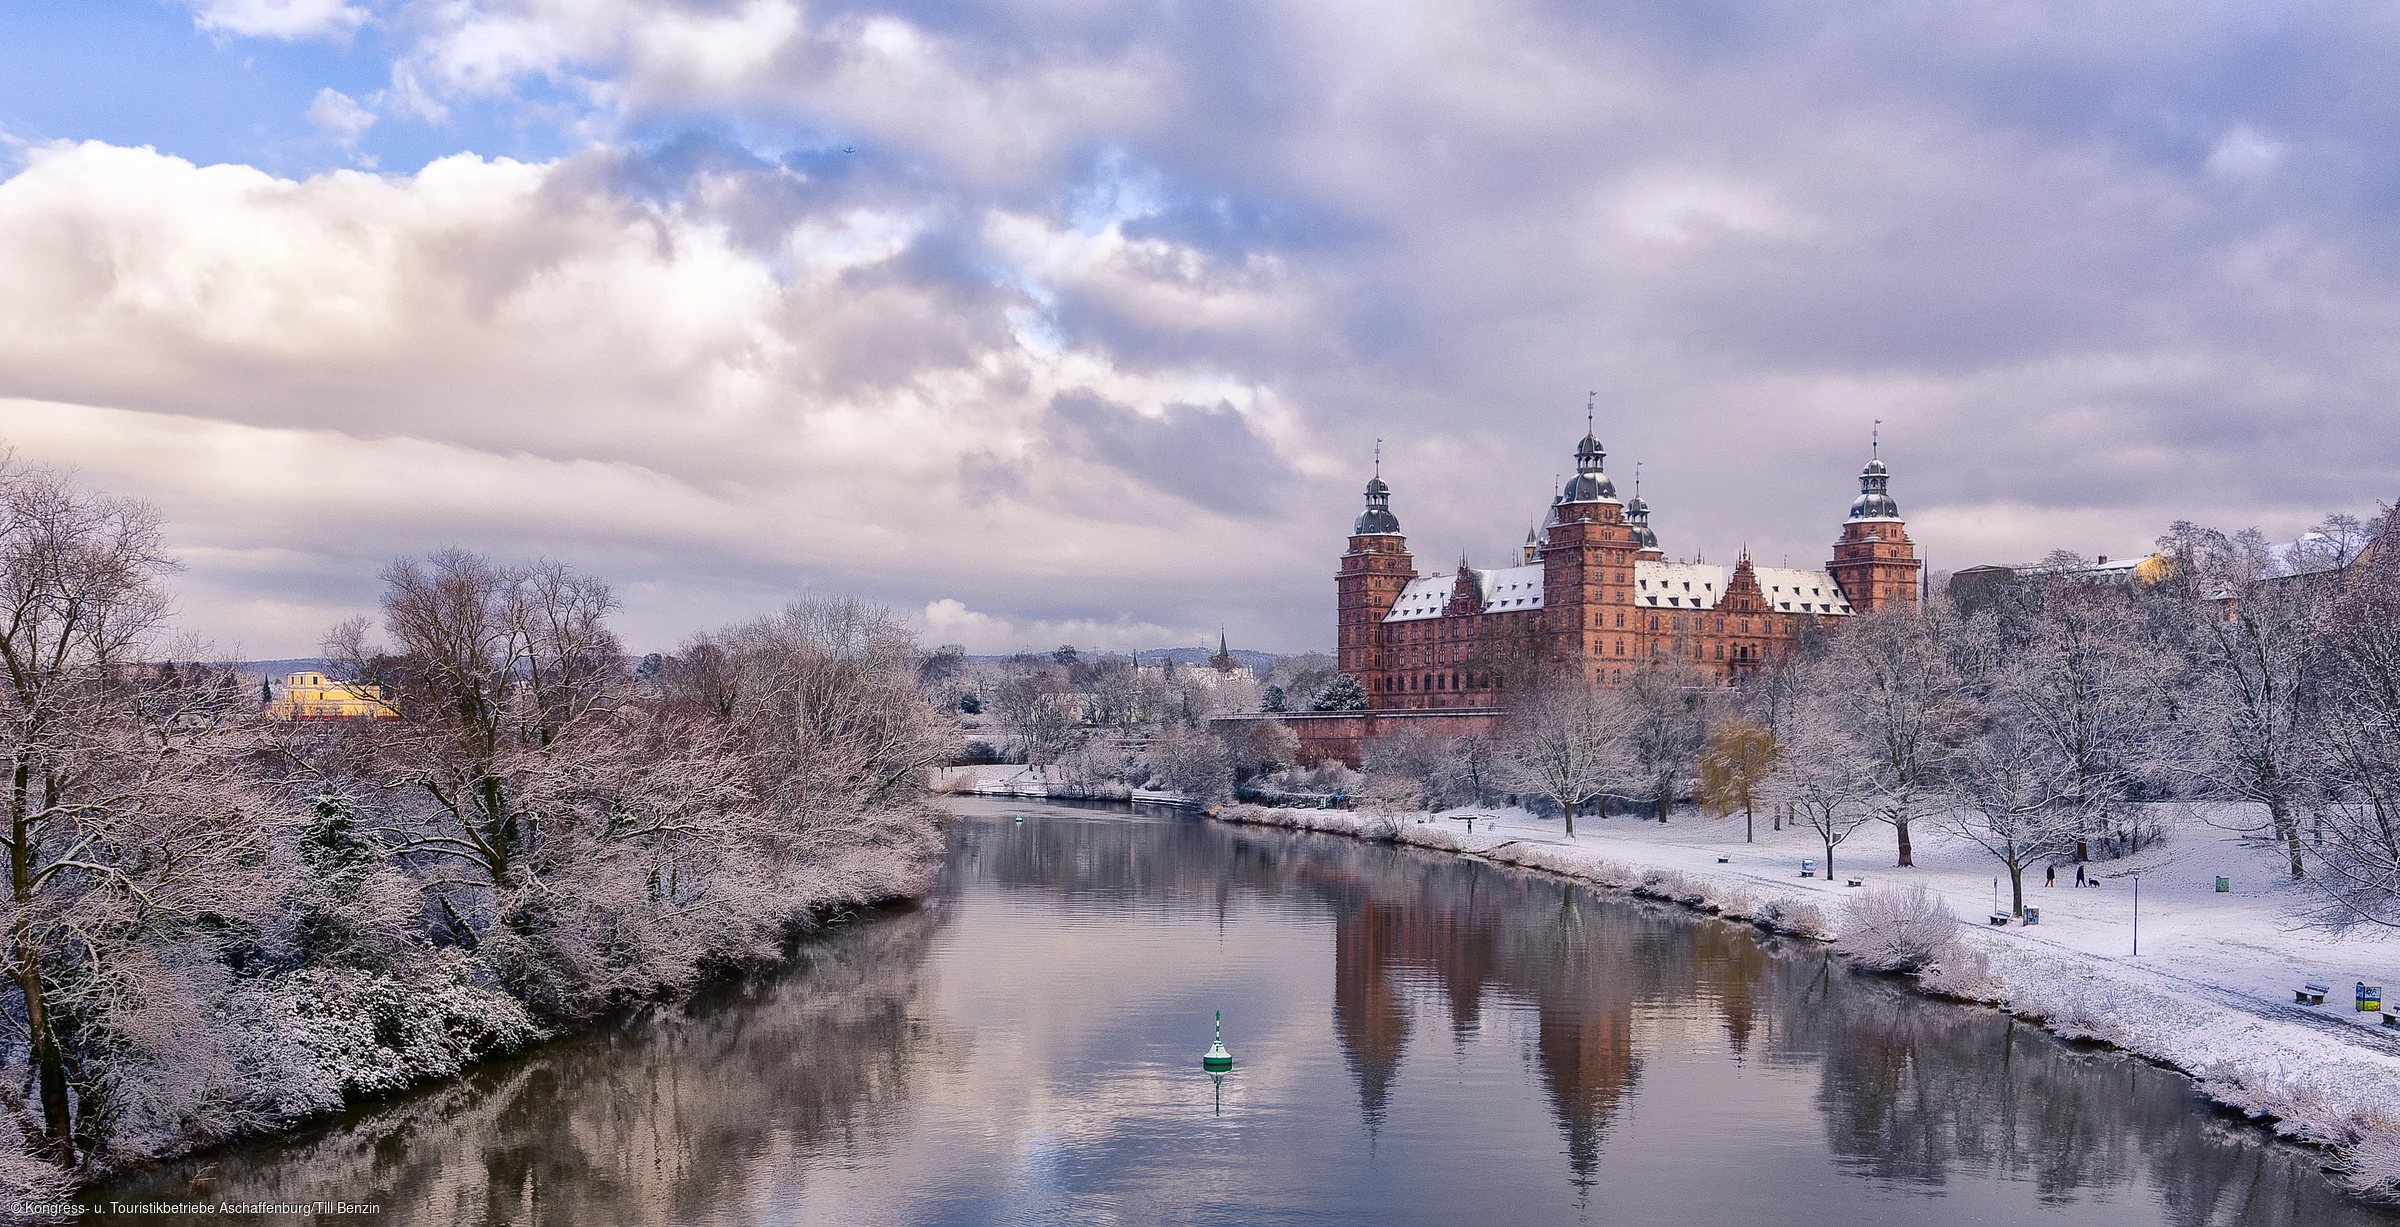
[
  {"x": 370, "y": 1035},
  {"x": 1428, "y": 835},
  {"x": 1897, "y": 930},
  {"x": 1960, "y": 971}
]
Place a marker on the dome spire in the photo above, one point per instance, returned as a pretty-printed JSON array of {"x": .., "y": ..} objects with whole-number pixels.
[
  {"x": 1875, "y": 484},
  {"x": 1377, "y": 519},
  {"x": 1590, "y": 483}
]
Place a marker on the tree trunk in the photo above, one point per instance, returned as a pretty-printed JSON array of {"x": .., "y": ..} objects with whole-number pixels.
[
  {"x": 1749, "y": 826},
  {"x": 2016, "y": 889},
  {"x": 1570, "y": 807},
  {"x": 1908, "y": 858},
  {"x": 1829, "y": 860},
  {"x": 1661, "y": 801},
  {"x": 58, "y": 1142},
  {"x": 2288, "y": 830}
]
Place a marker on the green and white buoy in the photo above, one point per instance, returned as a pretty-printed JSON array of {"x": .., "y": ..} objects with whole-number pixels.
[{"x": 1216, "y": 1060}]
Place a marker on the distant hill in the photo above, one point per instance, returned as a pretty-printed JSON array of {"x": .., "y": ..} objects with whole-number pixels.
[
  {"x": 270, "y": 668},
  {"x": 1259, "y": 662}
]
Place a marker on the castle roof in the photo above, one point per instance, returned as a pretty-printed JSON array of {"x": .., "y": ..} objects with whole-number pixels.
[
  {"x": 1504, "y": 590},
  {"x": 1688, "y": 585}
]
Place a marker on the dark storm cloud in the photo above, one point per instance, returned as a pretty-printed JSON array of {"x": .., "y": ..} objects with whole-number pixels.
[{"x": 1203, "y": 454}]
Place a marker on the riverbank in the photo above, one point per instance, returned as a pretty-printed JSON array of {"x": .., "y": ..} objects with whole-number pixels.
[
  {"x": 2202, "y": 997},
  {"x": 360, "y": 1039}
]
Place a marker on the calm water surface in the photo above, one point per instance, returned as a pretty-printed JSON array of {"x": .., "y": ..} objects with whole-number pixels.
[{"x": 1419, "y": 1039}]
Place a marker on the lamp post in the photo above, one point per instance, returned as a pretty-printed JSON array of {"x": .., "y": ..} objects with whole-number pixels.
[{"x": 2137, "y": 915}]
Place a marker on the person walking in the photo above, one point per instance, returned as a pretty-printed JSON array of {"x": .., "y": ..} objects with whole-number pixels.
[
  {"x": 2079, "y": 873},
  {"x": 2050, "y": 876}
]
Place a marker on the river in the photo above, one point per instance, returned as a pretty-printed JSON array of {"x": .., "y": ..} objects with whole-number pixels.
[{"x": 1419, "y": 1038}]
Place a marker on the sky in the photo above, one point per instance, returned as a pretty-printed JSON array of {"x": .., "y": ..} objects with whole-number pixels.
[{"x": 1073, "y": 321}]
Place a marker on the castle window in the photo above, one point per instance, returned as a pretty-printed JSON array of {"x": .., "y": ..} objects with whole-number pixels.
[
  {"x": 1620, "y": 617},
  {"x": 1620, "y": 647},
  {"x": 1720, "y": 651}
]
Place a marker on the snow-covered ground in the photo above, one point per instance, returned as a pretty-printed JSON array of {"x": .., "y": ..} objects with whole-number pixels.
[
  {"x": 2211, "y": 991},
  {"x": 1018, "y": 780}
]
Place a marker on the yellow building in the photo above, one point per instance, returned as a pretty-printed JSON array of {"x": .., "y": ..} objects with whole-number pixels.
[{"x": 314, "y": 696}]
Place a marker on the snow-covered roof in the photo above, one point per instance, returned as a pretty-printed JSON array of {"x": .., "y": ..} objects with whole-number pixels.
[
  {"x": 1512, "y": 588},
  {"x": 1656, "y": 585},
  {"x": 1679, "y": 585},
  {"x": 1687, "y": 585},
  {"x": 1794, "y": 591},
  {"x": 1425, "y": 597},
  {"x": 1507, "y": 590}
]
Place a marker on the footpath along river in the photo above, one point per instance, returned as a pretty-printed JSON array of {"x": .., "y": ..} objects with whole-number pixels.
[{"x": 1418, "y": 1038}]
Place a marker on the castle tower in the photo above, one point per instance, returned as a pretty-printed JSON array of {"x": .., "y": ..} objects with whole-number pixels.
[
  {"x": 1637, "y": 515},
  {"x": 1373, "y": 572},
  {"x": 1874, "y": 561},
  {"x": 1587, "y": 565}
]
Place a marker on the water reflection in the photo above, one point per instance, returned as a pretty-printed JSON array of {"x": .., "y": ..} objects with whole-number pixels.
[{"x": 1421, "y": 1038}]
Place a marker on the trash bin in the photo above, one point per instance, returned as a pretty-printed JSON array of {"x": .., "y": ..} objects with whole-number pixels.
[
  {"x": 2033, "y": 915},
  {"x": 2370, "y": 997},
  {"x": 1808, "y": 868},
  {"x": 2224, "y": 884}
]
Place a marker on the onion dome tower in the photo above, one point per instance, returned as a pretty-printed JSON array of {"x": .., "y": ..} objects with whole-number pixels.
[
  {"x": 1587, "y": 560},
  {"x": 1590, "y": 483},
  {"x": 1377, "y": 519},
  {"x": 1375, "y": 569},
  {"x": 1874, "y": 561},
  {"x": 1637, "y": 514},
  {"x": 1874, "y": 500}
]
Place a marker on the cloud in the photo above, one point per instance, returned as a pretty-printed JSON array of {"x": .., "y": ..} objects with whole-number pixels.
[
  {"x": 950, "y": 620},
  {"x": 284, "y": 19},
  {"x": 2243, "y": 153},
  {"x": 1097, "y": 320},
  {"x": 744, "y": 380},
  {"x": 338, "y": 118}
]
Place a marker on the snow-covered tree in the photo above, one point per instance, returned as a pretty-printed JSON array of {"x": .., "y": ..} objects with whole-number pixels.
[
  {"x": 2353, "y": 756},
  {"x": 2014, "y": 794},
  {"x": 1666, "y": 713},
  {"x": 1823, "y": 776},
  {"x": 1341, "y": 693},
  {"x": 1900, "y": 694},
  {"x": 2085, "y": 688},
  {"x": 2244, "y": 719},
  {"x": 1565, "y": 742}
]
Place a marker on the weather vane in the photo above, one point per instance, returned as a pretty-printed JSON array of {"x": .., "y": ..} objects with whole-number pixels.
[
  {"x": 1588, "y": 398},
  {"x": 1875, "y": 441},
  {"x": 1378, "y": 457}
]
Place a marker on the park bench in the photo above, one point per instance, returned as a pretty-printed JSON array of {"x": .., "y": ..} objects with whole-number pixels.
[
  {"x": 1854, "y": 881},
  {"x": 2310, "y": 994},
  {"x": 1724, "y": 860},
  {"x": 1999, "y": 918}
]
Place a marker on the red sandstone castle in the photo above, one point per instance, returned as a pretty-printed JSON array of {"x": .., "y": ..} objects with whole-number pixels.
[{"x": 1591, "y": 591}]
